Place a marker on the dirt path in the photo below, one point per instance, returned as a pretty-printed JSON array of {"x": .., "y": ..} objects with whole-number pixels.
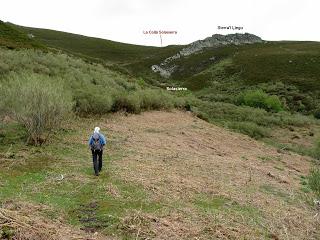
[{"x": 212, "y": 182}]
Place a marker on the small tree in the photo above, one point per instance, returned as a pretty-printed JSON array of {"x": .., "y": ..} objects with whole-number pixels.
[{"x": 38, "y": 102}]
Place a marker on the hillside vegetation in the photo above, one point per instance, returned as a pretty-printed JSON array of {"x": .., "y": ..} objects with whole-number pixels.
[
  {"x": 13, "y": 38},
  {"x": 33, "y": 82},
  {"x": 286, "y": 69},
  {"x": 96, "y": 48},
  {"x": 256, "y": 89}
]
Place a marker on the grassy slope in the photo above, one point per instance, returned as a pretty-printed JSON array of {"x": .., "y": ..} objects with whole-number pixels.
[
  {"x": 13, "y": 38},
  {"x": 286, "y": 69},
  {"x": 133, "y": 60},
  {"x": 178, "y": 188},
  {"x": 109, "y": 51},
  {"x": 290, "y": 62}
]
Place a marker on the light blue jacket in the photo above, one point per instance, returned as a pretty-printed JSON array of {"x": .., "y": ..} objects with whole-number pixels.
[{"x": 102, "y": 140}]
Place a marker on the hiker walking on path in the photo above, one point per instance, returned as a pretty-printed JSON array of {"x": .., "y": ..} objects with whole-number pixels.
[{"x": 96, "y": 144}]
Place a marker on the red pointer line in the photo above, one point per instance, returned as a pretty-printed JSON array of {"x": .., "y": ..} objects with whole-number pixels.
[{"x": 161, "y": 39}]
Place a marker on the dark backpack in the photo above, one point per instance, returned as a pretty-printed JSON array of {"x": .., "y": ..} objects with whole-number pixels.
[{"x": 96, "y": 145}]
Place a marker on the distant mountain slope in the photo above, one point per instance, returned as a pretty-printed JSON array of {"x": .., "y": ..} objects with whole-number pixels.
[
  {"x": 13, "y": 38},
  {"x": 106, "y": 50},
  {"x": 223, "y": 70},
  {"x": 292, "y": 62},
  {"x": 166, "y": 68}
]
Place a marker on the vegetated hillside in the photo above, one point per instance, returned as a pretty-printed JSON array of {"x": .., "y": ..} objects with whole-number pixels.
[
  {"x": 95, "y": 88},
  {"x": 96, "y": 48},
  {"x": 290, "y": 62},
  {"x": 166, "y": 175},
  {"x": 13, "y": 38},
  {"x": 286, "y": 69}
]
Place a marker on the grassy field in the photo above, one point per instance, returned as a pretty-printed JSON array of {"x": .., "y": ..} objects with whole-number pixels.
[{"x": 157, "y": 181}]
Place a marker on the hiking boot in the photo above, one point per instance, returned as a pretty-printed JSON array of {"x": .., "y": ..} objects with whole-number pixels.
[{"x": 97, "y": 174}]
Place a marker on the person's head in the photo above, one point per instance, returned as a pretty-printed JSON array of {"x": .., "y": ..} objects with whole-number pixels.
[{"x": 96, "y": 130}]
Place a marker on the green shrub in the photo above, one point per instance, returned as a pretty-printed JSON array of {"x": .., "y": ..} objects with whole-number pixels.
[
  {"x": 260, "y": 99},
  {"x": 129, "y": 103},
  {"x": 92, "y": 101},
  {"x": 156, "y": 99},
  {"x": 314, "y": 180},
  {"x": 273, "y": 103},
  {"x": 38, "y": 102}
]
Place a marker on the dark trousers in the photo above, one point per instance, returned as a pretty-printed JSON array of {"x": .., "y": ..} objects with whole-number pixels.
[{"x": 97, "y": 161}]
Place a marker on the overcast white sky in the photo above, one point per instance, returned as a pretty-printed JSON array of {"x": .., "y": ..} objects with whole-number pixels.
[{"x": 125, "y": 20}]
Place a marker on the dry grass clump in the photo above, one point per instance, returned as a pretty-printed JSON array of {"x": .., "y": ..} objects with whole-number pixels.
[
  {"x": 23, "y": 221},
  {"x": 138, "y": 224}
]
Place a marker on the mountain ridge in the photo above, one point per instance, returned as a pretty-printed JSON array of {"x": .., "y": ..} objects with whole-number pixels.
[{"x": 216, "y": 40}]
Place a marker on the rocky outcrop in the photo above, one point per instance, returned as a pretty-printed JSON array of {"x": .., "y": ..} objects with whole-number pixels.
[{"x": 217, "y": 40}]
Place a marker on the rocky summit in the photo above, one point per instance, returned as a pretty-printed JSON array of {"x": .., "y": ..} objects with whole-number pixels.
[{"x": 217, "y": 40}]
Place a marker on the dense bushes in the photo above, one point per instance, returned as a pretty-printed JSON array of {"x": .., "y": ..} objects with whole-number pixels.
[
  {"x": 39, "y": 103},
  {"x": 92, "y": 101},
  {"x": 95, "y": 88},
  {"x": 260, "y": 99},
  {"x": 34, "y": 83},
  {"x": 95, "y": 101},
  {"x": 254, "y": 122}
]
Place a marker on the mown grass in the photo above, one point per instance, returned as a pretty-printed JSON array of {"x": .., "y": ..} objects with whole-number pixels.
[
  {"x": 33, "y": 174},
  {"x": 267, "y": 188},
  {"x": 221, "y": 205}
]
